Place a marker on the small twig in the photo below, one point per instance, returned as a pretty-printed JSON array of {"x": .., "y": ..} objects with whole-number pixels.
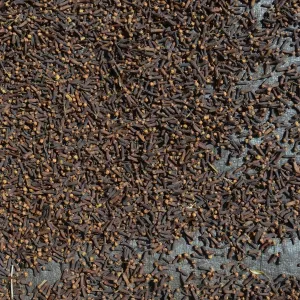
[
  {"x": 11, "y": 282},
  {"x": 213, "y": 167},
  {"x": 41, "y": 284}
]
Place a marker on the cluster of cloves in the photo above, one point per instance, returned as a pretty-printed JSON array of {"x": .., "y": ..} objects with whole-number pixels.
[{"x": 129, "y": 125}]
